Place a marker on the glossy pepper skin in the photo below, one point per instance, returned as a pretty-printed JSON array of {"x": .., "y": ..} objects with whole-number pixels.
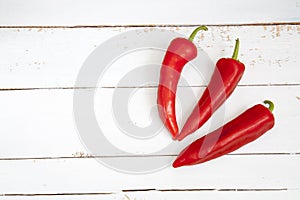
[
  {"x": 242, "y": 130},
  {"x": 227, "y": 74},
  {"x": 179, "y": 52}
]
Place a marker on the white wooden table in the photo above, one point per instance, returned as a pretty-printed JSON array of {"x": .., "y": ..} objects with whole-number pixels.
[{"x": 43, "y": 45}]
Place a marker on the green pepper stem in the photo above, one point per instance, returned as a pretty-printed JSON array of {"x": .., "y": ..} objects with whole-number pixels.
[
  {"x": 270, "y": 104},
  {"x": 194, "y": 33},
  {"x": 236, "y": 49}
]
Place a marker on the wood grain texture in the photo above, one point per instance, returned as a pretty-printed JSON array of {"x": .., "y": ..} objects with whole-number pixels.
[
  {"x": 50, "y": 130},
  {"x": 115, "y": 12},
  {"x": 89, "y": 176},
  {"x": 43, "y": 46},
  {"x": 54, "y": 56}
]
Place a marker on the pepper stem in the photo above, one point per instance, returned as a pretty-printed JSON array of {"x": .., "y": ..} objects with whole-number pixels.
[
  {"x": 194, "y": 33},
  {"x": 236, "y": 49},
  {"x": 270, "y": 104}
]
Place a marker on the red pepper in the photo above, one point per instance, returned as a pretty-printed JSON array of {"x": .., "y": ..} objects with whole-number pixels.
[
  {"x": 224, "y": 80},
  {"x": 244, "y": 129},
  {"x": 179, "y": 52}
]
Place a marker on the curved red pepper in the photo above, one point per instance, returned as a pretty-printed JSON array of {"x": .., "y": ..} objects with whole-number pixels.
[
  {"x": 179, "y": 52},
  {"x": 244, "y": 129},
  {"x": 224, "y": 80}
]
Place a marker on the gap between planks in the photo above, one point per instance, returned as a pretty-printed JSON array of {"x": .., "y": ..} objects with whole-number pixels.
[
  {"x": 155, "y": 190},
  {"x": 84, "y": 156},
  {"x": 149, "y": 86},
  {"x": 155, "y": 25}
]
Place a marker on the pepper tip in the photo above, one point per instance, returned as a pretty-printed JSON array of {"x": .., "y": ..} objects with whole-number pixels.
[
  {"x": 176, "y": 163},
  {"x": 179, "y": 138}
]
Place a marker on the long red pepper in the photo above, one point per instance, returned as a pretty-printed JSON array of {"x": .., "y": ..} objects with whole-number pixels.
[
  {"x": 244, "y": 129},
  {"x": 179, "y": 52},
  {"x": 225, "y": 78}
]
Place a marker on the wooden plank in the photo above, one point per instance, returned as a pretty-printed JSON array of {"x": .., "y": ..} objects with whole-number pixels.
[
  {"x": 67, "y": 12},
  {"x": 259, "y": 195},
  {"x": 40, "y": 122},
  {"x": 83, "y": 175},
  {"x": 41, "y": 154},
  {"x": 209, "y": 195},
  {"x": 46, "y": 57}
]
